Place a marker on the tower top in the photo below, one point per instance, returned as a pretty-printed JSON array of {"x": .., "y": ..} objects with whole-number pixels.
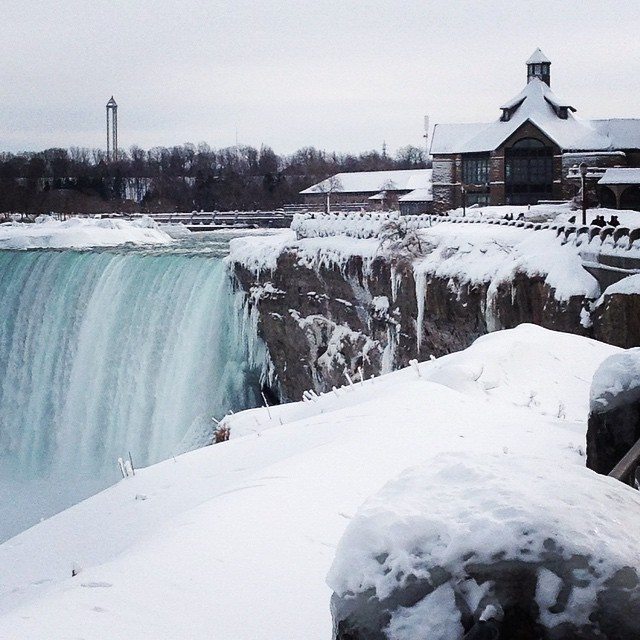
[
  {"x": 537, "y": 57},
  {"x": 539, "y": 66},
  {"x": 112, "y": 102}
]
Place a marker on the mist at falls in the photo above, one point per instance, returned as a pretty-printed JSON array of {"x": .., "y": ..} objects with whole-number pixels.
[{"x": 103, "y": 353}]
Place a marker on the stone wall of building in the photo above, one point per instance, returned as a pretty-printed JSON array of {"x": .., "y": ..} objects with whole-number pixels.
[
  {"x": 361, "y": 198},
  {"x": 446, "y": 182}
]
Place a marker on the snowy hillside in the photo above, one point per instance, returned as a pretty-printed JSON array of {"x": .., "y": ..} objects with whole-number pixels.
[{"x": 235, "y": 541}]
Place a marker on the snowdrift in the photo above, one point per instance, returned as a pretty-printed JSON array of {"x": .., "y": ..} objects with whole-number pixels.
[
  {"x": 236, "y": 540},
  {"x": 79, "y": 233}
]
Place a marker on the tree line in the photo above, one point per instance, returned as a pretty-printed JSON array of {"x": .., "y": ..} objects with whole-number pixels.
[{"x": 180, "y": 178}]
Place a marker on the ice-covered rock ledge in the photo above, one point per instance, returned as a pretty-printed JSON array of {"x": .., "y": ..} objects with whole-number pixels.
[{"x": 359, "y": 295}]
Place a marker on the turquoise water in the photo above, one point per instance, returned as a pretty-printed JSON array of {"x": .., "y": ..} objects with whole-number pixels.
[{"x": 110, "y": 352}]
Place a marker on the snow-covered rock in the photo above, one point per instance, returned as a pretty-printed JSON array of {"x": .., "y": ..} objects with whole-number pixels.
[
  {"x": 80, "y": 233},
  {"x": 549, "y": 545},
  {"x": 616, "y": 382},
  {"x": 614, "y": 418}
]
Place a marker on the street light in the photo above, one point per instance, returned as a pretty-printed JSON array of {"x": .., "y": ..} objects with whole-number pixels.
[
  {"x": 583, "y": 175},
  {"x": 464, "y": 201}
]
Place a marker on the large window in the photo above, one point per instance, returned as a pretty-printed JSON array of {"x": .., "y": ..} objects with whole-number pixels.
[
  {"x": 528, "y": 172},
  {"x": 481, "y": 199},
  {"x": 475, "y": 169}
]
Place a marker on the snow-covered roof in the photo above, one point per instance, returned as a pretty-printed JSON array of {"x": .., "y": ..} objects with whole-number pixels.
[
  {"x": 537, "y": 57},
  {"x": 619, "y": 175},
  {"x": 623, "y": 133},
  {"x": 374, "y": 181},
  {"x": 539, "y": 105},
  {"x": 417, "y": 195}
]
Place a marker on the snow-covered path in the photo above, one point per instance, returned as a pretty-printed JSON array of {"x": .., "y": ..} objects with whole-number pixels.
[{"x": 234, "y": 541}]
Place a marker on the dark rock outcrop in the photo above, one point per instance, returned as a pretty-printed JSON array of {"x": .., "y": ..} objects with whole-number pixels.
[
  {"x": 614, "y": 417},
  {"x": 616, "y": 320}
]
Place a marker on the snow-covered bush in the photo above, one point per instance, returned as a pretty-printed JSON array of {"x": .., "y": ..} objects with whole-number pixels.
[{"x": 401, "y": 242}]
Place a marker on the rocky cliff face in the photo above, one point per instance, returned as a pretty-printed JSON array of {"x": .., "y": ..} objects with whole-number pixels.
[{"x": 324, "y": 325}]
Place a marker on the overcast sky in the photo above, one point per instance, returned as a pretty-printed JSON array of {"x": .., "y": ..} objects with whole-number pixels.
[{"x": 336, "y": 74}]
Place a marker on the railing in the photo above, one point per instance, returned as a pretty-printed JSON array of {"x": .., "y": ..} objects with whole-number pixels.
[
  {"x": 227, "y": 218},
  {"x": 627, "y": 468},
  {"x": 369, "y": 225}
]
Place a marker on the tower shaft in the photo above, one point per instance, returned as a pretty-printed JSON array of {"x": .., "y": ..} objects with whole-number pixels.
[{"x": 112, "y": 130}]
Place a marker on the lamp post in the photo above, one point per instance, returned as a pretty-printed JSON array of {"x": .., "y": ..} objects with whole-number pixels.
[
  {"x": 464, "y": 201},
  {"x": 583, "y": 176}
]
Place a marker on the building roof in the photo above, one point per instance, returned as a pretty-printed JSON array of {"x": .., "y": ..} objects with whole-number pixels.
[
  {"x": 537, "y": 57},
  {"x": 417, "y": 195},
  {"x": 619, "y": 175},
  {"x": 373, "y": 181},
  {"x": 537, "y": 104}
]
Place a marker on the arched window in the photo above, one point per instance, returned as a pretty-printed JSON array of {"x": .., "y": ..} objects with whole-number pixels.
[
  {"x": 528, "y": 143},
  {"x": 630, "y": 198},
  {"x": 608, "y": 198},
  {"x": 528, "y": 171}
]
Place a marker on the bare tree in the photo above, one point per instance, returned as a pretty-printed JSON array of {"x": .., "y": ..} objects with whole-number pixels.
[{"x": 328, "y": 187}]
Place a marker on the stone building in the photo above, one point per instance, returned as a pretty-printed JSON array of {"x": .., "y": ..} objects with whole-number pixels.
[
  {"x": 524, "y": 156},
  {"x": 409, "y": 190}
]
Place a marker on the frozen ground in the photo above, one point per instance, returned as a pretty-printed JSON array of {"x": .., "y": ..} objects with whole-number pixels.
[
  {"x": 80, "y": 233},
  {"x": 235, "y": 540}
]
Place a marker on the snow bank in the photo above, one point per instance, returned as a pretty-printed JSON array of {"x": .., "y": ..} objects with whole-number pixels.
[
  {"x": 464, "y": 510},
  {"x": 469, "y": 253},
  {"x": 616, "y": 382},
  {"x": 494, "y": 254},
  {"x": 187, "y": 547},
  {"x": 80, "y": 233},
  {"x": 260, "y": 254},
  {"x": 628, "y": 286}
]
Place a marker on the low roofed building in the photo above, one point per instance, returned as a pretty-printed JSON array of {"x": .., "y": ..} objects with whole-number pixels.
[
  {"x": 525, "y": 155},
  {"x": 374, "y": 191},
  {"x": 620, "y": 188}
]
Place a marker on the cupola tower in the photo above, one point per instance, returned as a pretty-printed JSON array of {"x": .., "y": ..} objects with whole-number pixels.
[{"x": 539, "y": 66}]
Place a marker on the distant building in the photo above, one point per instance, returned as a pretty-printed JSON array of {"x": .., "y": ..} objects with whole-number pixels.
[
  {"x": 526, "y": 154},
  {"x": 409, "y": 190}
]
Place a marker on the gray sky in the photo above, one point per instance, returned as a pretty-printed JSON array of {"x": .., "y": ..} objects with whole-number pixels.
[{"x": 336, "y": 74}]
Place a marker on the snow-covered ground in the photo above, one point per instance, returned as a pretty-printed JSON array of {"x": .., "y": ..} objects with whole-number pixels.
[
  {"x": 81, "y": 233},
  {"x": 235, "y": 540},
  {"x": 559, "y": 213}
]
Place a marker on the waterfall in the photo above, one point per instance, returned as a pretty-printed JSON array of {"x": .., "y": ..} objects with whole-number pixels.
[{"x": 106, "y": 353}]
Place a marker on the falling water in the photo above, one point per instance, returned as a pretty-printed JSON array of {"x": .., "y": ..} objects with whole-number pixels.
[{"x": 106, "y": 353}]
